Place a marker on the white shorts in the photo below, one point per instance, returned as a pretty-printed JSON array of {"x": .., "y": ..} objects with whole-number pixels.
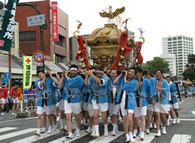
[
  {"x": 84, "y": 106},
  {"x": 40, "y": 110},
  {"x": 31, "y": 100},
  {"x": 123, "y": 110},
  {"x": 140, "y": 111},
  {"x": 150, "y": 107},
  {"x": 72, "y": 107},
  {"x": 175, "y": 105},
  {"x": 113, "y": 109},
  {"x": 50, "y": 109},
  {"x": 25, "y": 100},
  {"x": 2, "y": 101},
  {"x": 60, "y": 104},
  {"x": 102, "y": 107},
  {"x": 162, "y": 108},
  {"x": 15, "y": 100},
  {"x": 90, "y": 110}
]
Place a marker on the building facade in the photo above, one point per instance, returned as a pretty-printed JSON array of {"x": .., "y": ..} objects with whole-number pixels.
[
  {"x": 170, "y": 58},
  {"x": 30, "y": 37},
  {"x": 181, "y": 46}
]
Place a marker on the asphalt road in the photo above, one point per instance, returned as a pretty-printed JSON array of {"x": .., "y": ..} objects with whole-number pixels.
[{"x": 13, "y": 130}]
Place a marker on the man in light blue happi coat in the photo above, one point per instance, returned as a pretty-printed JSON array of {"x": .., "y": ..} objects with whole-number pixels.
[
  {"x": 174, "y": 105},
  {"x": 72, "y": 83},
  {"x": 161, "y": 107},
  {"x": 46, "y": 100},
  {"x": 99, "y": 99}
]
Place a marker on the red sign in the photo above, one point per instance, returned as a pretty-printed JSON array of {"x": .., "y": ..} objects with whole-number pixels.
[
  {"x": 38, "y": 56},
  {"x": 54, "y": 11}
]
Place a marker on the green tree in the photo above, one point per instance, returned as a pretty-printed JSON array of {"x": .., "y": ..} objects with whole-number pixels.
[
  {"x": 189, "y": 73},
  {"x": 156, "y": 63}
]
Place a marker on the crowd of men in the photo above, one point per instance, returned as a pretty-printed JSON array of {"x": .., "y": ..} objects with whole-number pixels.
[{"x": 136, "y": 96}]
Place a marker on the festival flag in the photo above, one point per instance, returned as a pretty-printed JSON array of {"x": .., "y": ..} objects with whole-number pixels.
[
  {"x": 54, "y": 13},
  {"x": 6, "y": 32},
  {"x": 27, "y": 72}
]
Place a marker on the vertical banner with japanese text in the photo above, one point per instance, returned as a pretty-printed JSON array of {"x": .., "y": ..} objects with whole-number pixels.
[
  {"x": 54, "y": 11},
  {"x": 6, "y": 32},
  {"x": 27, "y": 72}
]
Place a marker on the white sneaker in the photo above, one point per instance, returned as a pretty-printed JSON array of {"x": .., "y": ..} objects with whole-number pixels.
[
  {"x": 134, "y": 133},
  {"x": 113, "y": 132},
  {"x": 127, "y": 138},
  {"x": 49, "y": 130},
  {"x": 174, "y": 121},
  {"x": 168, "y": 122},
  {"x": 164, "y": 130},
  {"x": 2, "y": 114},
  {"x": 147, "y": 131},
  {"x": 42, "y": 130},
  {"x": 54, "y": 128},
  {"x": 70, "y": 136},
  {"x": 78, "y": 134},
  {"x": 96, "y": 131},
  {"x": 93, "y": 131},
  {"x": 88, "y": 130},
  {"x": 158, "y": 134},
  {"x": 141, "y": 136},
  {"x": 178, "y": 121},
  {"x": 26, "y": 110},
  {"x": 131, "y": 137},
  {"x": 105, "y": 129},
  {"x": 13, "y": 114}
]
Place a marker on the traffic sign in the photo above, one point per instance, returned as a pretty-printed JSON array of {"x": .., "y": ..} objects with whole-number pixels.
[
  {"x": 7, "y": 75},
  {"x": 38, "y": 56},
  {"x": 36, "y": 20}
]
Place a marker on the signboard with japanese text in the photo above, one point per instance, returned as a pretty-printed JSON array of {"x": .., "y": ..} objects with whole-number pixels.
[
  {"x": 27, "y": 72},
  {"x": 54, "y": 11},
  {"x": 36, "y": 20},
  {"x": 6, "y": 32}
]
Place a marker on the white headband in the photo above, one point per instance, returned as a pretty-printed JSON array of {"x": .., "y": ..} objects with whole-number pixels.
[
  {"x": 75, "y": 69},
  {"x": 99, "y": 71}
]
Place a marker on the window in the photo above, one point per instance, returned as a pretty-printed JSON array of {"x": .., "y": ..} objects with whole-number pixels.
[
  {"x": 169, "y": 39},
  {"x": 27, "y": 36},
  {"x": 174, "y": 38},
  {"x": 61, "y": 41},
  {"x": 179, "y": 38}
]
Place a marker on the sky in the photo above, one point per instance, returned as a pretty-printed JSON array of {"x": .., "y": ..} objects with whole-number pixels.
[{"x": 158, "y": 18}]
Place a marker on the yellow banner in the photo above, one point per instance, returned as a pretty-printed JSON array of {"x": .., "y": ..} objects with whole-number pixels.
[{"x": 27, "y": 72}]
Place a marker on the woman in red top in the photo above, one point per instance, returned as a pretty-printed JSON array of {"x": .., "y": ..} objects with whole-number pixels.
[
  {"x": 16, "y": 102},
  {"x": 3, "y": 95}
]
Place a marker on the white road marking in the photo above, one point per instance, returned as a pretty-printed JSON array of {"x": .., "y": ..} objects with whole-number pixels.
[
  {"x": 103, "y": 139},
  {"x": 36, "y": 138},
  {"x": 63, "y": 139},
  {"x": 180, "y": 138},
  {"x": 14, "y": 134},
  {"x": 15, "y": 120},
  {"x": 7, "y": 129}
]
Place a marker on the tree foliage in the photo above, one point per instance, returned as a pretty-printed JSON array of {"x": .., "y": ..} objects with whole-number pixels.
[
  {"x": 156, "y": 63},
  {"x": 189, "y": 73}
]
